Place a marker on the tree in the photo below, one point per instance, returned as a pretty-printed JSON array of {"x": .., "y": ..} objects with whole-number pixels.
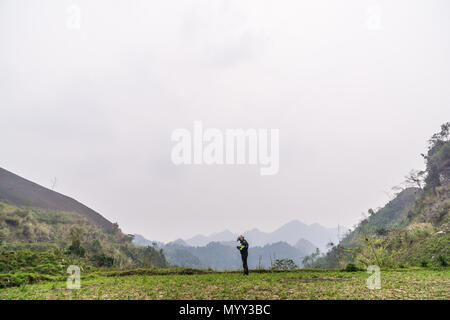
[
  {"x": 415, "y": 178},
  {"x": 330, "y": 245},
  {"x": 114, "y": 228},
  {"x": 438, "y": 156},
  {"x": 440, "y": 137},
  {"x": 308, "y": 261},
  {"x": 76, "y": 236},
  {"x": 130, "y": 238}
]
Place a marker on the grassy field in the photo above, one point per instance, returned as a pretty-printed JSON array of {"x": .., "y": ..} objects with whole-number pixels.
[{"x": 302, "y": 284}]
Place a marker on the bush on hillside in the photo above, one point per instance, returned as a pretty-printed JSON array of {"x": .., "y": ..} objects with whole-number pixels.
[
  {"x": 351, "y": 267},
  {"x": 442, "y": 261},
  {"x": 284, "y": 264}
]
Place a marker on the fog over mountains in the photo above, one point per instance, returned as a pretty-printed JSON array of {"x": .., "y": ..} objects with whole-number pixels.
[
  {"x": 294, "y": 241},
  {"x": 292, "y": 232}
]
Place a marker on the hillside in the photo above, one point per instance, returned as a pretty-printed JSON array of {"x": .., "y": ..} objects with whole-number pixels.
[
  {"x": 21, "y": 192},
  {"x": 412, "y": 229},
  {"x": 42, "y": 230},
  {"x": 38, "y": 219},
  {"x": 393, "y": 215}
]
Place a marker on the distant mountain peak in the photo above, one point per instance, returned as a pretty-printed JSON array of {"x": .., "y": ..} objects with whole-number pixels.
[
  {"x": 180, "y": 242},
  {"x": 295, "y": 233},
  {"x": 316, "y": 225},
  {"x": 224, "y": 232},
  {"x": 294, "y": 224}
]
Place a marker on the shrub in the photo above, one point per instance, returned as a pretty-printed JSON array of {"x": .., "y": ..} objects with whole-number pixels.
[
  {"x": 382, "y": 232},
  {"x": 16, "y": 279},
  {"x": 48, "y": 269},
  {"x": 102, "y": 260},
  {"x": 424, "y": 263},
  {"x": 351, "y": 267},
  {"x": 284, "y": 264},
  {"x": 13, "y": 221},
  {"x": 442, "y": 261}
]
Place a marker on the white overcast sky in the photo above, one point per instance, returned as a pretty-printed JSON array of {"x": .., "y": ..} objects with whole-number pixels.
[{"x": 95, "y": 106}]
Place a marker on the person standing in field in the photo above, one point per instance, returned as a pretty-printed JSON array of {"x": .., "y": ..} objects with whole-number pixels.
[{"x": 243, "y": 248}]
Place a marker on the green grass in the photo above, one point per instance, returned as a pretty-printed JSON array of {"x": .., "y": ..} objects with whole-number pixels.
[{"x": 418, "y": 283}]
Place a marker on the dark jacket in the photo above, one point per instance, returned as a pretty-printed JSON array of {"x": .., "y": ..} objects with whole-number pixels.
[{"x": 243, "y": 248}]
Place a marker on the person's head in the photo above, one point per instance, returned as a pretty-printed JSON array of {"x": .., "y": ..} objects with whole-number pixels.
[{"x": 240, "y": 238}]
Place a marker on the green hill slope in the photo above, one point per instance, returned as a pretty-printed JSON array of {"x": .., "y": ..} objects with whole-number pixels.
[
  {"x": 38, "y": 219},
  {"x": 413, "y": 228},
  {"x": 73, "y": 235}
]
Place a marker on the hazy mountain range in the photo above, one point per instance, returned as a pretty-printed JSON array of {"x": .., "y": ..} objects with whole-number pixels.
[
  {"x": 294, "y": 240},
  {"x": 223, "y": 255},
  {"x": 291, "y": 233}
]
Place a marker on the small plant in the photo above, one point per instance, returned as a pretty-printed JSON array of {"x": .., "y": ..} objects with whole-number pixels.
[
  {"x": 76, "y": 235},
  {"x": 442, "y": 261},
  {"x": 424, "y": 263},
  {"x": 382, "y": 232},
  {"x": 284, "y": 264},
  {"x": 23, "y": 287},
  {"x": 351, "y": 267}
]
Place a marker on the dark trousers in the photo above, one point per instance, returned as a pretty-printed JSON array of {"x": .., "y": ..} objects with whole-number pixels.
[{"x": 244, "y": 262}]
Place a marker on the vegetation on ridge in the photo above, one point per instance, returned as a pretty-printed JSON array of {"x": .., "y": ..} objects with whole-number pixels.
[{"x": 411, "y": 230}]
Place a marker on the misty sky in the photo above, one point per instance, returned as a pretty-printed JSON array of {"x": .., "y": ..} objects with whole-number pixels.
[{"x": 355, "y": 88}]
